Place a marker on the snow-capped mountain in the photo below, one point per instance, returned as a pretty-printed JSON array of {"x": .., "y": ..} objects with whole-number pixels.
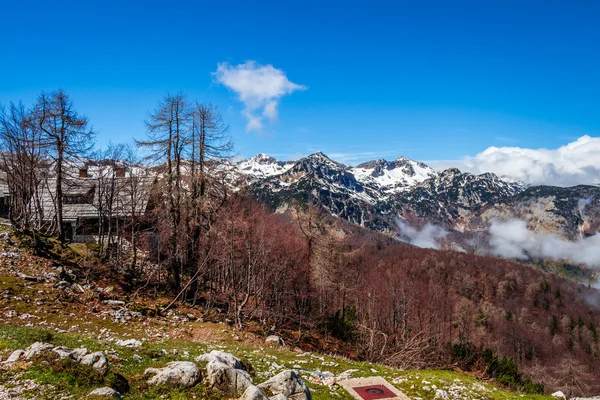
[
  {"x": 317, "y": 178},
  {"x": 262, "y": 166},
  {"x": 380, "y": 178},
  {"x": 446, "y": 197},
  {"x": 392, "y": 176},
  {"x": 377, "y": 193}
]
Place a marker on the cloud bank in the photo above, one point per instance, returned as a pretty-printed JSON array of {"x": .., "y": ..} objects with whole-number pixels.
[
  {"x": 259, "y": 87},
  {"x": 512, "y": 239},
  {"x": 573, "y": 164},
  {"x": 428, "y": 237}
]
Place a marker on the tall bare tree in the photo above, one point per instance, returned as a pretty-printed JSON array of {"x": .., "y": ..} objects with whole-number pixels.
[
  {"x": 109, "y": 190},
  {"x": 168, "y": 128},
  {"x": 208, "y": 146},
  {"x": 22, "y": 161},
  {"x": 134, "y": 204},
  {"x": 67, "y": 136}
]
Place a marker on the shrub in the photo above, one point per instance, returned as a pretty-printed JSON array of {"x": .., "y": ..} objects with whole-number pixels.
[{"x": 343, "y": 325}]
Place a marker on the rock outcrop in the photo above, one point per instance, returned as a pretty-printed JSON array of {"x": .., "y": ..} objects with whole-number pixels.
[
  {"x": 223, "y": 357},
  {"x": 14, "y": 357},
  {"x": 274, "y": 339},
  {"x": 176, "y": 373},
  {"x": 96, "y": 360},
  {"x": 72, "y": 354},
  {"x": 289, "y": 384},
  {"x": 36, "y": 349},
  {"x": 105, "y": 392},
  {"x": 230, "y": 382},
  {"x": 253, "y": 393}
]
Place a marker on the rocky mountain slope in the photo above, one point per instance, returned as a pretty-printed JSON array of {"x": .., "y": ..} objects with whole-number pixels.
[
  {"x": 378, "y": 193},
  {"x": 569, "y": 212},
  {"x": 390, "y": 177},
  {"x": 262, "y": 166},
  {"x": 332, "y": 184}
]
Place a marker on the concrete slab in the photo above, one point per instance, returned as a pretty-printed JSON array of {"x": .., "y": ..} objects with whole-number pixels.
[{"x": 372, "y": 388}]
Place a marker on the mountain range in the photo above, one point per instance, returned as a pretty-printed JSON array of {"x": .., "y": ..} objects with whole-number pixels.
[{"x": 403, "y": 196}]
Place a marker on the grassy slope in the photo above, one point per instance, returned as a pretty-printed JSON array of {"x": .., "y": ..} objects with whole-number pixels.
[
  {"x": 45, "y": 314},
  {"x": 266, "y": 361}
]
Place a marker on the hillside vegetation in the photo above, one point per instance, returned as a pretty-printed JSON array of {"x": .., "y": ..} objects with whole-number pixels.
[
  {"x": 67, "y": 296},
  {"x": 87, "y": 313}
]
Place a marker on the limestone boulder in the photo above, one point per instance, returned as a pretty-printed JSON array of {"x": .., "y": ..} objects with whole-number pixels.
[
  {"x": 36, "y": 349},
  {"x": 105, "y": 392},
  {"x": 176, "y": 373},
  {"x": 253, "y": 393},
  {"x": 289, "y": 384},
  {"x": 274, "y": 339},
  {"x": 14, "y": 357},
  {"x": 222, "y": 357},
  {"x": 96, "y": 360},
  {"x": 226, "y": 380},
  {"x": 72, "y": 354}
]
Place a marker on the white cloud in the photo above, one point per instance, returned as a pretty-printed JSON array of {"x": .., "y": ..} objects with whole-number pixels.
[
  {"x": 428, "y": 237},
  {"x": 259, "y": 87},
  {"x": 512, "y": 239},
  {"x": 573, "y": 164}
]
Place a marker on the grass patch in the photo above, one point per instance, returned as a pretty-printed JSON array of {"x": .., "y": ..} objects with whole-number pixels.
[{"x": 262, "y": 363}]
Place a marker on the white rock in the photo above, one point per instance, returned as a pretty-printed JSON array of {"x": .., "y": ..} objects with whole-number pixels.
[
  {"x": 73, "y": 354},
  {"x": 278, "y": 397},
  {"x": 14, "y": 357},
  {"x": 79, "y": 353},
  {"x": 253, "y": 393},
  {"x": 114, "y": 302},
  {"x": 346, "y": 374},
  {"x": 128, "y": 343},
  {"x": 96, "y": 360},
  {"x": 63, "y": 352},
  {"x": 274, "y": 339},
  {"x": 36, "y": 348},
  {"x": 176, "y": 373},
  {"x": 227, "y": 380},
  {"x": 441, "y": 394},
  {"x": 105, "y": 392},
  {"x": 559, "y": 395},
  {"x": 223, "y": 357},
  {"x": 288, "y": 383}
]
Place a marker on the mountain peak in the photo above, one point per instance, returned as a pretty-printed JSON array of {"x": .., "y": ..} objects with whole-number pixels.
[
  {"x": 262, "y": 165},
  {"x": 318, "y": 154},
  {"x": 321, "y": 158},
  {"x": 262, "y": 157},
  {"x": 452, "y": 171}
]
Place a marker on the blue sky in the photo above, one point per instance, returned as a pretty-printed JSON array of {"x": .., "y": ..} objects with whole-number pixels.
[{"x": 431, "y": 80}]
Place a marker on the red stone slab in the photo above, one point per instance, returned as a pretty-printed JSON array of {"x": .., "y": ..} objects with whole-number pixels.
[
  {"x": 371, "y": 388},
  {"x": 374, "y": 392}
]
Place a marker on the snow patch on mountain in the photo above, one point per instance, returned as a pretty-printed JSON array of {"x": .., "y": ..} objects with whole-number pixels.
[
  {"x": 262, "y": 166},
  {"x": 392, "y": 176}
]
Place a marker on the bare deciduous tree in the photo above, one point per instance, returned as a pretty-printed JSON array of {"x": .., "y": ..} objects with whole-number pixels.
[
  {"x": 23, "y": 163},
  {"x": 67, "y": 137}
]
